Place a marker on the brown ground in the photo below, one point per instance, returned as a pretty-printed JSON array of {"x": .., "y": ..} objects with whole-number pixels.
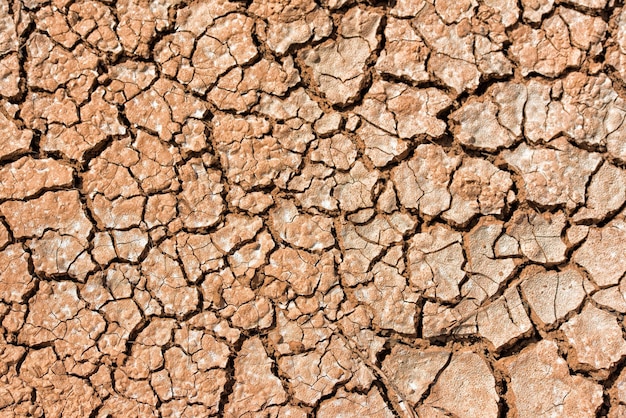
[{"x": 286, "y": 208}]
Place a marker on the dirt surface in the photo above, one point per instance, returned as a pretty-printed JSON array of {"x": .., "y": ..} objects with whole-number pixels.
[{"x": 289, "y": 208}]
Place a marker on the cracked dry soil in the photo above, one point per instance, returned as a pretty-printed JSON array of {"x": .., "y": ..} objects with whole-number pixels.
[{"x": 289, "y": 208}]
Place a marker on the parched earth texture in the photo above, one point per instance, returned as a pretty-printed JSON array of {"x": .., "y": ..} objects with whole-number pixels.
[{"x": 332, "y": 208}]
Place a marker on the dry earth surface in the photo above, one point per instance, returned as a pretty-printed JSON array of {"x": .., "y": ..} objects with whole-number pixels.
[{"x": 289, "y": 208}]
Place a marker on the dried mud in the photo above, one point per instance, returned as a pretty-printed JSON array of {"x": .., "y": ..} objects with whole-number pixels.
[{"x": 290, "y": 208}]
